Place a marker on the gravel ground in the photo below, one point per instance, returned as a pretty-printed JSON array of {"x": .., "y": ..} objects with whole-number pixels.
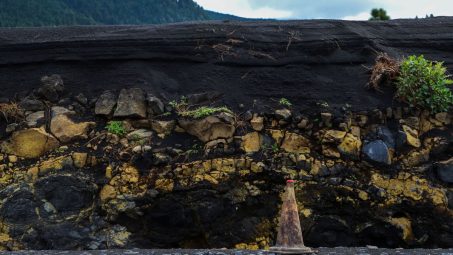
[{"x": 321, "y": 251}]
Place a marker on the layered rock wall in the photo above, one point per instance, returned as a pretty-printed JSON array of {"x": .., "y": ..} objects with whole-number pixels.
[{"x": 183, "y": 136}]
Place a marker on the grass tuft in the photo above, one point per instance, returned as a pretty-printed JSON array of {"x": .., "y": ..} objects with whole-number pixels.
[
  {"x": 285, "y": 102},
  {"x": 116, "y": 128},
  {"x": 204, "y": 111}
]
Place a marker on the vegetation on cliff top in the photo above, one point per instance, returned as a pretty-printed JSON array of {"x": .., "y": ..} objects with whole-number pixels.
[
  {"x": 32, "y": 13},
  {"x": 379, "y": 14}
]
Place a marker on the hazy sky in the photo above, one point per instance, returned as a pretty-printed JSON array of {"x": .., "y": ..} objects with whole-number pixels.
[{"x": 328, "y": 9}]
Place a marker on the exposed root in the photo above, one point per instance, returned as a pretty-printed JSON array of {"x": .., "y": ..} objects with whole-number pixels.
[
  {"x": 258, "y": 54},
  {"x": 223, "y": 50},
  {"x": 234, "y": 41},
  {"x": 11, "y": 111},
  {"x": 384, "y": 71},
  {"x": 293, "y": 36}
]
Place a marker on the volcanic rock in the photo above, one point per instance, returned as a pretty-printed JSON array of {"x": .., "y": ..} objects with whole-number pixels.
[
  {"x": 29, "y": 104},
  {"x": 105, "y": 104},
  {"x": 386, "y": 136},
  {"x": 377, "y": 152},
  {"x": 444, "y": 170},
  {"x": 350, "y": 146},
  {"x": 257, "y": 123},
  {"x": 68, "y": 194},
  {"x": 81, "y": 99},
  {"x": 55, "y": 163},
  {"x": 251, "y": 142},
  {"x": 34, "y": 118},
  {"x": 163, "y": 128},
  {"x": 284, "y": 114},
  {"x": 52, "y": 88},
  {"x": 209, "y": 128},
  {"x": 139, "y": 134},
  {"x": 30, "y": 143},
  {"x": 333, "y": 136},
  {"x": 131, "y": 104},
  {"x": 79, "y": 159},
  {"x": 411, "y": 136},
  {"x": 58, "y": 110},
  {"x": 200, "y": 98},
  {"x": 155, "y": 105},
  {"x": 66, "y": 130},
  {"x": 295, "y": 143}
]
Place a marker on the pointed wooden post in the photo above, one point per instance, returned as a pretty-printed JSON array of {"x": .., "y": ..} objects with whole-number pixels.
[{"x": 289, "y": 237}]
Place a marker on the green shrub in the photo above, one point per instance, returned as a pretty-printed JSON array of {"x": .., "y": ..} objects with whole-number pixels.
[
  {"x": 285, "y": 102},
  {"x": 116, "y": 127},
  {"x": 204, "y": 111},
  {"x": 424, "y": 84}
]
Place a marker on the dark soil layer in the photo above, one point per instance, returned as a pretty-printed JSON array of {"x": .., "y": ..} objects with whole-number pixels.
[{"x": 304, "y": 61}]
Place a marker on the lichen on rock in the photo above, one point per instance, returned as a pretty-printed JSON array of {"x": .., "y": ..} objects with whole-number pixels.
[{"x": 30, "y": 143}]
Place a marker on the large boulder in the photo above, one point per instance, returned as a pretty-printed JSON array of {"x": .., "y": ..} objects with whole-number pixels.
[
  {"x": 377, "y": 152},
  {"x": 30, "y": 143},
  {"x": 67, "y": 194},
  {"x": 131, "y": 104},
  {"x": 210, "y": 128},
  {"x": 52, "y": 88},
  {"x": 66, "y": 130},
  {"x": 105, "y": 104}
]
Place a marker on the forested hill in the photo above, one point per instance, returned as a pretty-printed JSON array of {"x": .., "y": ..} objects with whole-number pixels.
[{"x": 33, "y": 13}]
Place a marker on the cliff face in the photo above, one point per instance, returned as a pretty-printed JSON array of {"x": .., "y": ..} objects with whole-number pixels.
[
  {"x": 209, "y": 119},
  {"x": 304, "y": 61}
]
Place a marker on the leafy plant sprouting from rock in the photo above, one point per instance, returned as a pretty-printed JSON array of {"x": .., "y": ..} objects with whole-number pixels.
[
  {"x": 116, "y": 127},
  {"x": 285, "y": 102},
  {"x": 424, "y": 84},
  {"x": 204, "y": 111},
  {"x": 182, "y": 108}
]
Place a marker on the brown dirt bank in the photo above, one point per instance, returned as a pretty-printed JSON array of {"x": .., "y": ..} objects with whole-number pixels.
[{"x": 304, "y": 61}]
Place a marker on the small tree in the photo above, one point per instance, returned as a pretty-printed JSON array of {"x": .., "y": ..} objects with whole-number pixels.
[{"x": 379, "y": 14}]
